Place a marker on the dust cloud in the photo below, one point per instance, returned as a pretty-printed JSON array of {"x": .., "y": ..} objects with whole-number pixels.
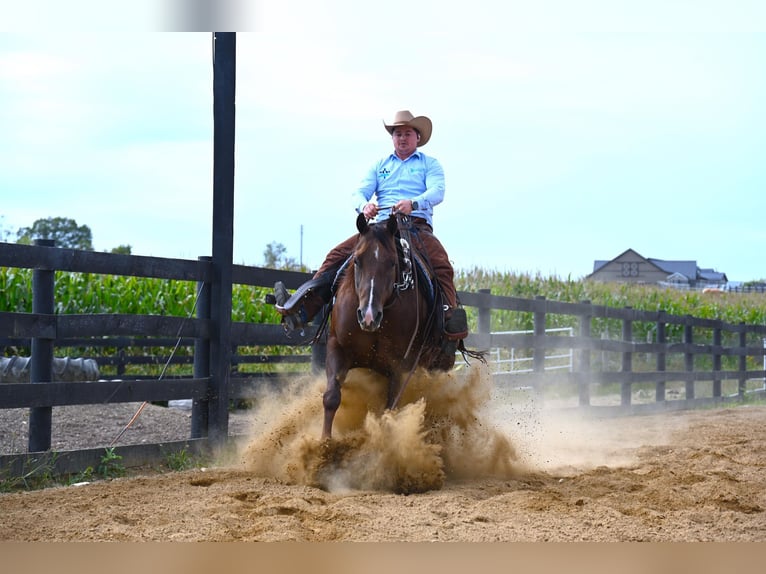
[
  {"x": 441, "y": 430},
  {"x": 565, "y": 441},
  {"x": 449, "y": 426}
]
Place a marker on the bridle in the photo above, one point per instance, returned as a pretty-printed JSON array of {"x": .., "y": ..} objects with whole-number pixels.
[{"x": 405, "y": 240}]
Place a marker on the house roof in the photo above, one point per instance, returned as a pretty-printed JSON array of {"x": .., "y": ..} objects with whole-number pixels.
[
  {"x": 598, "y": 264},
  {"x": 712, "y": 275},
  {"x": 688, "y": 269}
]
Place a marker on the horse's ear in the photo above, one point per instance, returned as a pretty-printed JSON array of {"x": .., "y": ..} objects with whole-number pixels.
[
  {"x": 392, "y": 225},
  {"x": 361, "y": 223}
]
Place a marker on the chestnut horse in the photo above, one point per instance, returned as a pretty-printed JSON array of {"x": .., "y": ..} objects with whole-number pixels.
[{"x": 380, "y": 321}]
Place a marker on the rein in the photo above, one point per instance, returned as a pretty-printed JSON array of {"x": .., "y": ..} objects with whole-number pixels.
[
  {"x": 409, "y": 281},
  {"x": 408, "y": 278}
]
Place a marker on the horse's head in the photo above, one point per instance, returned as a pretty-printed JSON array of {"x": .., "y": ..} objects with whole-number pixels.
[{"x": 375, "y": 270}]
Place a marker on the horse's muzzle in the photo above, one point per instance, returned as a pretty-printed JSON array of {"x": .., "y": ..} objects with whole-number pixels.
[{"x": 367, "y": 322}]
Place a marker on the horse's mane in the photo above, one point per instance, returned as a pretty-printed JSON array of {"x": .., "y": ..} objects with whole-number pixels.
[
  {"x": 376, "y": 233},
  {"x": 382, "y": 234}
]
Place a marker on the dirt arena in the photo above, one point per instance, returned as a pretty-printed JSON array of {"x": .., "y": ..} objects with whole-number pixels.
[{"x": 468, "y": 463}]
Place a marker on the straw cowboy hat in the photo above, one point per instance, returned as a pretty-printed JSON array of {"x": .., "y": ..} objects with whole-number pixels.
[{"x": 404, "y": 118}]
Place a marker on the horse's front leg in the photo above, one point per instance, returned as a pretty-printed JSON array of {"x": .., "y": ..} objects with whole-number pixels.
[{"x": 336, "y": 369}]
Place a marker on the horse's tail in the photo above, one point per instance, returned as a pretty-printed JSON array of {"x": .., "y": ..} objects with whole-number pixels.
[{"x": 478, "y": 355}]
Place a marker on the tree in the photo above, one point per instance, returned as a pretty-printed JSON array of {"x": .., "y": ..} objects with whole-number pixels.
[
  {"x": 274, "y": 258},
  {"x": 122, "y": 249},
  {"x": 5, "y": 233},
  {"x": 63, "y": 230}
]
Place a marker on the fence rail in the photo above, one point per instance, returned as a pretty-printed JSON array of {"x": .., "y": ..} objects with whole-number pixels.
[{"x": 699, "y": 351}]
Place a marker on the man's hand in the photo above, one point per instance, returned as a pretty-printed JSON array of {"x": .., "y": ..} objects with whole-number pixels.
[
  {"x": 370, "y": 210},
  {"x": 403, "y": 206}
]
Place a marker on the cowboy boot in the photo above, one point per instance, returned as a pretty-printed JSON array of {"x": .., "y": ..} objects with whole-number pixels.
[
  {"x": 455, "y": 329},
  {"x": 455, "y": 324},
  {"x": 301, "y": 313}
]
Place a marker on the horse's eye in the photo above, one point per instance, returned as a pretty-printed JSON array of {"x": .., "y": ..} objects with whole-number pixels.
[{"x": 357, "y": 262}]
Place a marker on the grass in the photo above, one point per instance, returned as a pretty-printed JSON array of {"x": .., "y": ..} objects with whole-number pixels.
[
  {"x": 41, "y": 473},
  {"x": 110, "y": 465},
  {"x": 84, "y": 293},
  {"x": 181, "y": 460},
  {"x": 35, "y": 474}
]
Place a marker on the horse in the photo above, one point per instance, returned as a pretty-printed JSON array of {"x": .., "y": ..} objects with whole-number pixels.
[{"x": 380, "y": 319}]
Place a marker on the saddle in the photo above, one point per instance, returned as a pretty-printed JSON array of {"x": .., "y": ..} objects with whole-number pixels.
[
  {"x": 424, "y": 277},
  {"x": 415, "y": 270}
]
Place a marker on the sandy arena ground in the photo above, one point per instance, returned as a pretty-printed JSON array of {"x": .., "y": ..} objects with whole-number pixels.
[{"x": 468, "y": 463}]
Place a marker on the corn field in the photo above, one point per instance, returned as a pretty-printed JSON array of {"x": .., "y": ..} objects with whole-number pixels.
[{"x": 89, "y": 293}]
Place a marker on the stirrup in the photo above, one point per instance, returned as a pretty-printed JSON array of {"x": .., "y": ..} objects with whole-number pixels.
[{"x": 295, "y": 321}]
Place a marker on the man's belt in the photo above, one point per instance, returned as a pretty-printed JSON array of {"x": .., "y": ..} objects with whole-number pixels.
[{"x": 420, "y": 221}]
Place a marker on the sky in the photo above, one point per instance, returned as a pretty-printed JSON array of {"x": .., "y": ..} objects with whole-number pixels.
[{"x": 569, "y": 131}]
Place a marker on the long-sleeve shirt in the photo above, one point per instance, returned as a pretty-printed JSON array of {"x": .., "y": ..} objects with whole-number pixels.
[{"x": 418, "y": 178}]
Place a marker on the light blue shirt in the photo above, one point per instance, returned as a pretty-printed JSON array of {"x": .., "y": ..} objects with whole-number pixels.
[{"x": 418, "y": 178}]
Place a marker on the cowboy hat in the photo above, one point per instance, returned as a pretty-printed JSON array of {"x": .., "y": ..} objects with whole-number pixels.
[{"x": 404, "y": 118}]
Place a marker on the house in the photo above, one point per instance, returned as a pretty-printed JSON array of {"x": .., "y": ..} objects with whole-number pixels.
[{"x": 631, "y": 266}]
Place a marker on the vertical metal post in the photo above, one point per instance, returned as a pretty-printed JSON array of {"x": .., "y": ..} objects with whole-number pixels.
[
  {"x": 659, "y": 392},
  {"x": 200, "y": 418},
  {"x": 41, "y": 363},
  {"x": 689, "y": 357},
  {"x": 224, "y": 82},
  {"x": 742, "y": 386},
  {"x": 484, "y": 317},
  {"x": 538, "y": 356},
  {"x": 121, "y": 362},
  {"x": 583, "y": 360},
  {"x": 627, "y": 361},
  {"x": 764, "y": 363},
  {"x": 538, "y": 361},
  {"x": 717, "y": 339}
]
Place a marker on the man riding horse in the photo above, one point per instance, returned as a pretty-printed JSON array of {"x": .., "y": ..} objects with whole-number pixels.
[{"x": 408, "y": 182}]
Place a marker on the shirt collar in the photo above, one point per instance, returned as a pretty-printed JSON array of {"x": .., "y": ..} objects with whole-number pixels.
[{"x": 417, "y": 153}]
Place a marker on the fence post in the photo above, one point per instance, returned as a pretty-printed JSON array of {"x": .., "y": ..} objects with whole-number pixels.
[
  {"x": 41, "y": 363},
  {"x": 538, "y": 360},
  {"x": 224, "y": 81},
  {"x": 484, "y": 317},
  {"x": 689, "y": 357},
  {"x": 319, "y": 348},
  {"x": 627, "y": 360},
  {"x": 199, "y": 414},
  {"x": 659, "y": 391},
  {"x": 583, "y": 367},
  {"x": 121, "y": 357},
  {"x": 717, "y": 340},
  {"x": 742, "y": 378}
]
